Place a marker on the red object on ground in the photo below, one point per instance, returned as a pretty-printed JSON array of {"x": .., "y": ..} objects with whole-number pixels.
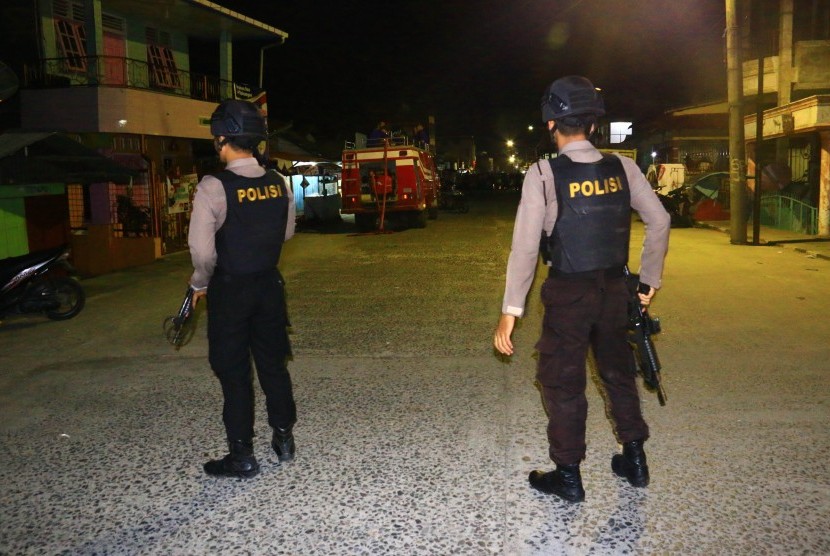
[{"x": 709, "y": 209}]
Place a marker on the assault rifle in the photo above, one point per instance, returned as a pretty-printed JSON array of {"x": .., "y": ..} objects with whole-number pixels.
[
  {"x": 178, "y": 329},
  {"x": 641, "y": 328}
]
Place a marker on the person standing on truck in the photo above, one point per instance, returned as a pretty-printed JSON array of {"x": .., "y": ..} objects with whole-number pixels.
[
  {"x": 579, "y": 204},
  {"x": 378, "y": 135},
  {"x": 241, "y": 218},
  {"x": 421, "y": 136}
]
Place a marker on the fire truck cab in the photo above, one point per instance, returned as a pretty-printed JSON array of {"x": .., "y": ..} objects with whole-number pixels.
[{"x": 392, "y": 180}]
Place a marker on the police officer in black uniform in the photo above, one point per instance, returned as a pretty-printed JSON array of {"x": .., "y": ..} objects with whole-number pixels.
[
  {"x": 582, "y": 201},
  {"x": 241, "y": 218}
]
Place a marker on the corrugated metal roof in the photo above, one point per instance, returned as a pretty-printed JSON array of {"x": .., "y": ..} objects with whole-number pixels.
[
  {"x": 14, "y": 141},
  {"x": 37, "y": 156}
]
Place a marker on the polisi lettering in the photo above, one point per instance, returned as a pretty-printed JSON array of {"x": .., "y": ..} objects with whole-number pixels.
[
  {"x": 260, "y": 193},
  {"x": 590, "y": 188}
]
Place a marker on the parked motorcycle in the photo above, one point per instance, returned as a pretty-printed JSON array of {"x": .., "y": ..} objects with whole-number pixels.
[
  {"x": 676, "y": 203},
  {"x": 40, "y": 283},
  {"x": 453, "y": 200}
]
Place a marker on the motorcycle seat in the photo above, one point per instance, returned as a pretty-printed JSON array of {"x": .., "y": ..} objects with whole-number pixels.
[{"x": 11, "y": 266}]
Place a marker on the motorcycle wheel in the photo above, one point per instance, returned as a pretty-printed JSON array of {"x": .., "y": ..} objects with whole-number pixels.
[{"x": 71, "y": 297}]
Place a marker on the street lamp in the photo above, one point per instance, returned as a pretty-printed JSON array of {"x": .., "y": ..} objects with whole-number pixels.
[{"x": 510, "y": 143}]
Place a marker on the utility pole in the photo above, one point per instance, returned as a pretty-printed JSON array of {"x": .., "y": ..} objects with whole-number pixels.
[
  {"x": 758, "y": 31},
  {"x": 737, "y": 157}
]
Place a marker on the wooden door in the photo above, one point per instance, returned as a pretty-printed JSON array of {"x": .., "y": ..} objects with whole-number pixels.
[
  {"x": 47, "y": 221},
  {"x": 115, "y": 59}
]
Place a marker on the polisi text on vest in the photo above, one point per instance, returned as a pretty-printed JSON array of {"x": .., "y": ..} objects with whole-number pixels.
[
  {"x": 260, "y": 193},
  {"x": 588, "y": 188}
]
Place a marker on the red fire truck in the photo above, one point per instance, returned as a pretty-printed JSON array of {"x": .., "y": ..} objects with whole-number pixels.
[{"x": 391, "y": 181}]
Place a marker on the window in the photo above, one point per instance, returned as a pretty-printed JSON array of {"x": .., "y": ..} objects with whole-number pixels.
[
  {"x": 620, "y": 131},
  {"x": 70, "y": 34},
  {"x": 163, "y": 72},
  {"x": 79, "y": 206}
]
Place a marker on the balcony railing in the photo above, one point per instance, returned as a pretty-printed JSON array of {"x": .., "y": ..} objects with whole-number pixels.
[{"x": 112, "y": 71}]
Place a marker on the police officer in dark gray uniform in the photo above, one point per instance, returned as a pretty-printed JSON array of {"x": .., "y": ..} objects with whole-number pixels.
[
  {"x": 241, "y": 218},
  {"x": 582, "y": 200}
]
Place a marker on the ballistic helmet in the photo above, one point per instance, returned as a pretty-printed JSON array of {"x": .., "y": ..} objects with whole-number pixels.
[
  {"x": 571, "y": 96},
  {"x": 237, "y": 118}
]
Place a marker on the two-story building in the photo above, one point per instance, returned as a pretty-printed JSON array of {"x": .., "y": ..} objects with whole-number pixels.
[
  {"x": 120, "y": 77},
  {"x": 791, "y": 39}
]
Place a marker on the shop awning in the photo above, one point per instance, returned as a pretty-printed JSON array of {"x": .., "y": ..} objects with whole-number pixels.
[{"x": 41, "y": 156}]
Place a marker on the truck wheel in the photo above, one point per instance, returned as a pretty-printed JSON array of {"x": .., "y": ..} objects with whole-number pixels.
[
  {"x": 365, "y": 222},
  {"x": 419, "y": 219}
]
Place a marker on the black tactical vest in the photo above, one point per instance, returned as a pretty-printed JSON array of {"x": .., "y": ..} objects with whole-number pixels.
[
  {"x": 251, "y": 238},
  {"x": 593, "y": 222}
]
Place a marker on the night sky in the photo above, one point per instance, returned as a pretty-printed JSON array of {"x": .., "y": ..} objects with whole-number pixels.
[{"x": 480, "y": 66}]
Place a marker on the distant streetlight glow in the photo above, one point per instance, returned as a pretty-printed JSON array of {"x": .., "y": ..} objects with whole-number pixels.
[
  {"x": 510, "y": 143},
  {"x": 530, "y": 128}
]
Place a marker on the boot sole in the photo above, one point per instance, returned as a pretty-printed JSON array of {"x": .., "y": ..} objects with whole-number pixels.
[{"x": 233, "y": 474}]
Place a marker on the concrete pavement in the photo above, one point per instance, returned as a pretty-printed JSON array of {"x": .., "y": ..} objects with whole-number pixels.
[{"x": 413, "y": 437}]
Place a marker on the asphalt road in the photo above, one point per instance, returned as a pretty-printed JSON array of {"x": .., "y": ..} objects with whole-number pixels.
[{"x": 414, "y": 437}]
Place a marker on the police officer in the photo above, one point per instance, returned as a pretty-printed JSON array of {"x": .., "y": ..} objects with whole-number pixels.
[
  {"x": 241, "y": 218},
  {"x": 582, "y": 200}
]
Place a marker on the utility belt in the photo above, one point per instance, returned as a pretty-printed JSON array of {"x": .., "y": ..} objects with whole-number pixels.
[{"x": 613, "y": 272}]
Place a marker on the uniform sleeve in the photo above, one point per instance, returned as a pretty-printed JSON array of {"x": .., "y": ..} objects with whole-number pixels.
[
  {"x": 657, "y": 222},
  {"x": 292, "y": 211},
  {"x": 524, "y": 250},
  {"x": 209, "y": 207}
]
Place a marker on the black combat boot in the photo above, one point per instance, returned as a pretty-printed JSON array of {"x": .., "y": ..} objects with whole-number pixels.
[
  {"x": 565, "y": 482},
  {"x": 239, "y": 463},
  {"x": 631, "y": 464},
  {"x": 283, "y": 444}
]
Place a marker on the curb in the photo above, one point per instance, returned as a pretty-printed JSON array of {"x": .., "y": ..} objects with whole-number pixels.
[{"x": 808, "y": 252}]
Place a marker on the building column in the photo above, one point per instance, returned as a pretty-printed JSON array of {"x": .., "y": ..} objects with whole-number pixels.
[
  {"x": 785, "y": 53},
  {"x": 785, "y": 72},
  {"x": 226, "y": 64},
  {"x": 94, "y": 30},
  {"x": 824, "y": 186}
]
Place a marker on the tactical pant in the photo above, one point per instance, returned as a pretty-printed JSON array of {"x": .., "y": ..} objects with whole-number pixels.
[
  {"x": 582, "y": 313},
  {"x": 247, "y": 317}
]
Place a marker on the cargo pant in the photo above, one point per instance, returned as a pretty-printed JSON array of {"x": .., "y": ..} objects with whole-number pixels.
[
  {"x": 581, "y": 313},
  {"x": 247, "y": 318}
]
